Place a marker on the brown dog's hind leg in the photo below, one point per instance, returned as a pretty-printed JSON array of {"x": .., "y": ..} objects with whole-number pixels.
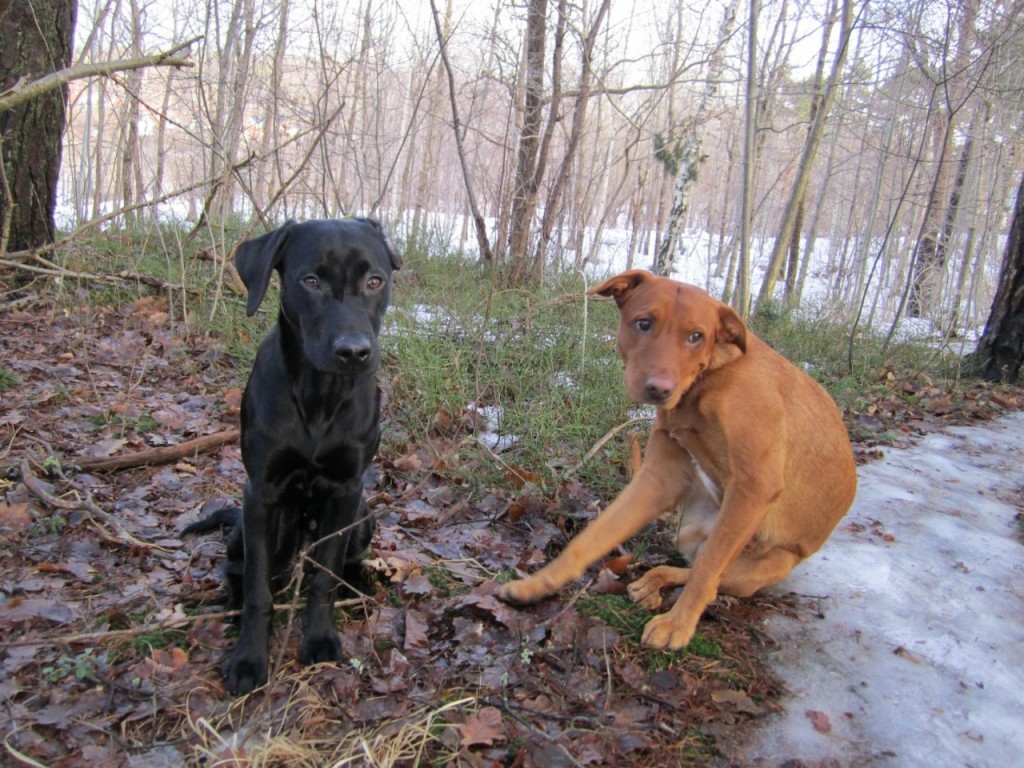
[
  {"x": 750, "y": 574},
  {"x": 646, "y": 590}
]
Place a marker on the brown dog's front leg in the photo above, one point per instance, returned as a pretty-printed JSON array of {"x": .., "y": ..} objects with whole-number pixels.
[
  {"x": 657, "y": 488},
  {"x": 741, "y": 516}
]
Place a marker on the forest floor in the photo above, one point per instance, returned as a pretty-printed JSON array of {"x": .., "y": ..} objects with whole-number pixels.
[{"x": 112, "y": 637}]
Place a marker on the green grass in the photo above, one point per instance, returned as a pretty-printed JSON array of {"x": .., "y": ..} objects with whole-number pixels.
[
  {"x": 8, "y": 379},
  {"x": 159, "y": 638},
  {"x": 629, "y": 619},
  {"x": 453, "y": 342}
]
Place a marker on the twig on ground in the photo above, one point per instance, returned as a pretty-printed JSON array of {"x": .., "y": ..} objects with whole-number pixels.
[
  {"x": 160, "y": 455},
  {"x": 92, "y": 510},
  {"x": 116, "y": 634},
  {"x": 601, "y": 443}
]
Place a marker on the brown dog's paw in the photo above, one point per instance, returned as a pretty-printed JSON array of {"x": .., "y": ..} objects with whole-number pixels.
[
  {"x": 645, "y": 593},
  {"x": 646, "y": 590},
  {"x": 666, "y": 633},
  {"x": 522, "y": 592}
]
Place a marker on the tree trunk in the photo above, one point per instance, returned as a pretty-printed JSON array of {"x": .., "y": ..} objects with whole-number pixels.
[
  {"x": 1001, "y": 348},
  {"x": 810, "y": 151},
  {"x": 688, "y": 154},
  {"x": 740, "y": 298},
  {"x": 929, "y": 261},
  {"x": 35, "y": 39},
  {"x": 479, "y": 225},
  {"x": 524, "y": 194},
  {"x": 553, "y": 205}
]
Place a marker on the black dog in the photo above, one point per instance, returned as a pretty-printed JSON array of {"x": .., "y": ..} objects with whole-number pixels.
[{"x": 310, "y": 427}]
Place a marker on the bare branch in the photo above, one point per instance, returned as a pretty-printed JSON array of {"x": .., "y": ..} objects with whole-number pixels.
[{"x": 26, "y": 90}]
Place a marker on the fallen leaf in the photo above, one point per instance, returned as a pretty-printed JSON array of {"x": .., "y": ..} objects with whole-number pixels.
[
  {"x": 819, "y": 720},
  {"x": 483, "y": 728},
  {"x": 106, "y": 447},
  {"x": 607, "y": 584},
  {"x": 517, "y": 477},
  {"x": 15, "y": 516},
  {"x": 409, "y": 463},
  {"x": 740, "y": 701},
  {"x": 28, "y": 609},
  {"x": 618, "y": 565},
  {"x": 416, "y": 629}
]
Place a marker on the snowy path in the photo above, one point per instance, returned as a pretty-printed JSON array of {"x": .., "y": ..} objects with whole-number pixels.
[{"x": 919, "y": 659}]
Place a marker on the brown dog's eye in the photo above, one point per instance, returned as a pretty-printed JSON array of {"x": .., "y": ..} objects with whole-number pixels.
[
  {"x": 374, "y": 283},
  {"x": 311, "y": 281},
  {"x": 695, "y": 338},
  {"x": 643, "y": 325}
]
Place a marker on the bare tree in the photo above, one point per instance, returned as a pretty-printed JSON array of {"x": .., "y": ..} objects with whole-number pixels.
[
  {"x": 552, "y": 206},
  {"x": 1000, "y": 351},
  {"x": 36, "y": 38},
  {"x": 929, "y": 252},
  {"x": 810, "y": 151},
  {"x": 480, "y": 226},
  {"x": 682, "y": 156},
  {"x": 531, "y": 156}
]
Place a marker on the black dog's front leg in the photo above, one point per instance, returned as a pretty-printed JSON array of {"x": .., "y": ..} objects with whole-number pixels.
[
  {"x": 247, "y": 666},
  {"x": 344, "y": 515}
]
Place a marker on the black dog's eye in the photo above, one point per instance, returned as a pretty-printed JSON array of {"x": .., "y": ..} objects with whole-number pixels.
[
  {"x": 311, "y": 281},
  {"x": 643, "y": 324},
  {"x": 695, "y": 338},
  {"x": 374, "y": 283}
]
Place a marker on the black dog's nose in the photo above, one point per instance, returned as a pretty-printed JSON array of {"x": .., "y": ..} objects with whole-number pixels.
[{"x": 352, "y": 349}]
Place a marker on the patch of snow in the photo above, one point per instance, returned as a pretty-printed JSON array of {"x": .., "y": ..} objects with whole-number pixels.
[
  {"x": 910, "y": 633},
  {"x": 491, "y": 435}
]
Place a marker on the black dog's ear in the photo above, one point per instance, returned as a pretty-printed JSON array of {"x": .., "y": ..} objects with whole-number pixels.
[
  {"x": 255, "y": 259},
  {"x": 396, "y": 260}
]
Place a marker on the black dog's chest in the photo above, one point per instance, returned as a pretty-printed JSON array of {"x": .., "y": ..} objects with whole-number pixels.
[{"x": 304, "y": 479}]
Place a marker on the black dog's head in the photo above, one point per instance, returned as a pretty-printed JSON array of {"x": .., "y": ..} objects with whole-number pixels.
[{"x": 335, "y": 285}]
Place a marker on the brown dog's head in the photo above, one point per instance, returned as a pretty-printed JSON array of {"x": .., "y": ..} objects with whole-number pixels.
[{"x": 670, "y": 333}]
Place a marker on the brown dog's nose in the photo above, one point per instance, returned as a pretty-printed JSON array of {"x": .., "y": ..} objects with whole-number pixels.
[
  {"x": 352, "y": 349},
  {"x": 658, "y": 387}
]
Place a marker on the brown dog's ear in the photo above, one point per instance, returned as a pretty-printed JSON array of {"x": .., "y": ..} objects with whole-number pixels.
[
  {"x": 255, "y": 259},
  {"x": 620, "y": 286},
  {"x": 731, "y": 338}
]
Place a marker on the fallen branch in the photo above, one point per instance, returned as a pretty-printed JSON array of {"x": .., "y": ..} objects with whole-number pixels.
[
  {"x": 93, "y": 511},
  {"x": 118, "y": 634},
  {"x": 161, "y": 455}
]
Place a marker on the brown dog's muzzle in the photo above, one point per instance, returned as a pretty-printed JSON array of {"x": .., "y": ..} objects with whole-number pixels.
[{"x": 658, "y": 387}]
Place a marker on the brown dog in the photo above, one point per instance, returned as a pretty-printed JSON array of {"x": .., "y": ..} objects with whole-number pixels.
[{"x": 751, "y": 450}]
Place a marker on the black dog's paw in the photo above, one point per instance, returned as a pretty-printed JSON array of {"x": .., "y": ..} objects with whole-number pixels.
[
  {"x": 244, "y": 674},
  {"x": 320, "y": 648}
]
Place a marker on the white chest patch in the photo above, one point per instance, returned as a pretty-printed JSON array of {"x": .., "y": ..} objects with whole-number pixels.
[{"x": 713, "y": 490}]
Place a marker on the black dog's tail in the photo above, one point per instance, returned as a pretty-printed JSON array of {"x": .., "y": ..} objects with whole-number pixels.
[{"x": 225, "y": 516}]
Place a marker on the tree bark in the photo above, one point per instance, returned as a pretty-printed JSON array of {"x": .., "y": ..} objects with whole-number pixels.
[
  {"x": 36, "y": 37},
  {"x": 528, "y": 162},
  {"x": 1001, "y": 348}
]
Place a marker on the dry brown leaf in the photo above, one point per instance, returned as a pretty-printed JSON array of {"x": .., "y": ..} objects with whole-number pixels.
[
  {"x": 819, "y": 720},
  {"x": 483, "y": 728}
]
